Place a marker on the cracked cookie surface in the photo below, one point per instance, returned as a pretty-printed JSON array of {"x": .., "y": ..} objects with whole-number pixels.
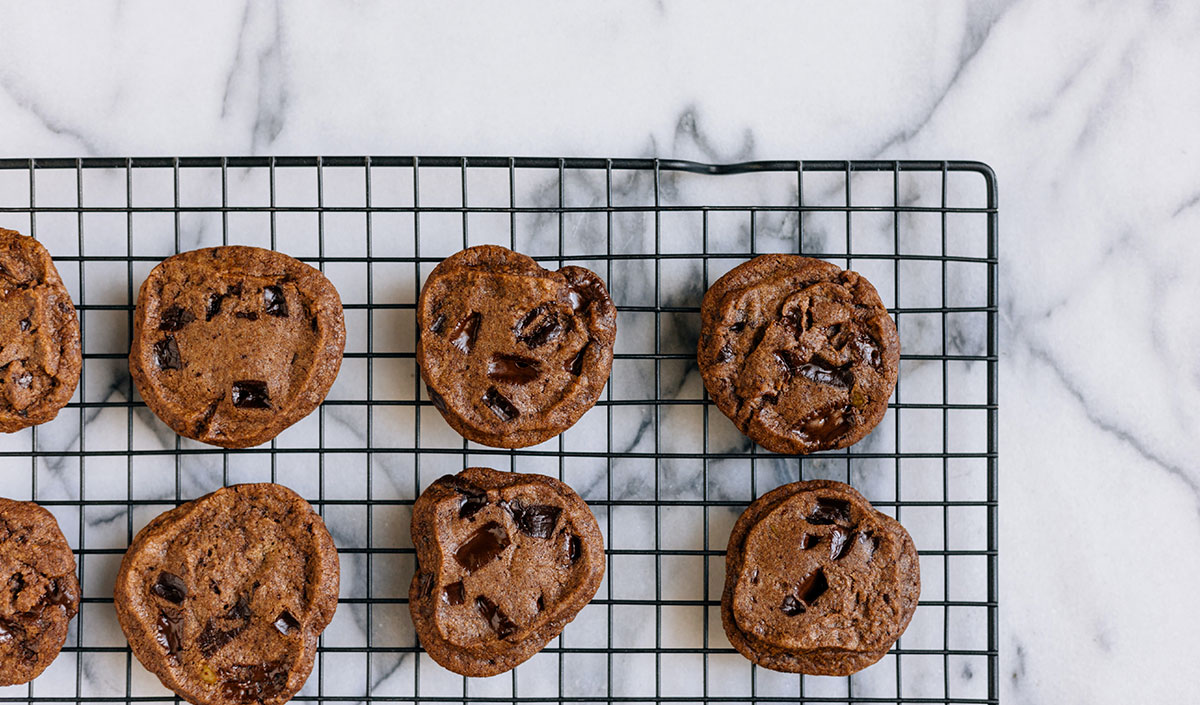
[
  {"x": 231, "y": 345},
  {"x": 40, "y": 356},
  {"x": 39, "y": 593},
  {"x": 800, "y": 354},
  {"x": 224, "y": 597},
  {"x": 513, "y": 354},
  {"x": 505, "y": 561},
  {"x": 817, "y": 580}
]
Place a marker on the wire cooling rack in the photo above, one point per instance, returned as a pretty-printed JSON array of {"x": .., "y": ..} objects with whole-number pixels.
[{"x": 664, "y": 472}]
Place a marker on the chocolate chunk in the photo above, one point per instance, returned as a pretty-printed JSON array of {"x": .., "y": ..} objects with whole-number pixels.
[
  {"x": 822, "y": 373},
  {"x": 464, "y": 334},
  {"x": 214, "y": 637},
  {"x": 274, "y": 302},
  {"x": 482, "y": 547},
  {"x": 825, "y": 425},
  {"x": 575, "y": 366},
  {"x": 500, "y": 405},
  {"x": 246, "y": 315},
  {"x": 574, "y": 548},
  {"x": 254, "y": 683},
  {"x": 830, "y": 511},
  {"x": 807, "y": 541},
  {"x": 285, "y": 623},
  {"x": 839, "y": 546},
  {"x": 24, "y": 325},
  {"x": 496, "y": 619},
  {"x": 541, "y": 603},
  {"x": 241, "y": 608},
  {"x": 471, "y": 503},
  {"x": 454, "y": 594},
  {"x": 170, "y": 630},
  {"x": 251, "y": 394},
  {"x": 540, "y": 326},
  {"x": 725, "y": 354},
  {"x": 213, "y": 307},
  {"x": 166, "y": 354},
  {"x": 170, "y": 587},
  {"x": 791, "y": 606},
  {"x": 536, "y": 520},
  {"x": 438, "y": 324},
  {"x": 174, "y": 318},
  {"x": 868, "y": 349},
  {"x": 513, "y": 369},
  {"x": 812, "y": 587}
]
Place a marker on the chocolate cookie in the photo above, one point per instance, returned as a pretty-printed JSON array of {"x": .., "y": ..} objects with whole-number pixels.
[
  {"x": 799, "y": 353},
  {"x": 231, "y": 345},
  {"x": 513, "y": 354},
  {"x": 39, "y": 593},
  {"x": 223, "y": 598},
  {"x": 39, "y": 335},
  {"x": 817, "y": 581},
  {"x": 505, "y": 561}
]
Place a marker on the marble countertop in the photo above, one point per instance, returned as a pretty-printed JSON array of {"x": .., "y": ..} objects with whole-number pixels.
[{"x": 1085, "y": 110}]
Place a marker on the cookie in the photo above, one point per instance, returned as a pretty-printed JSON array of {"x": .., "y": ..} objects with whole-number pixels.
[
  {"x": 817, "y": 580},
  {"x": 800, "y": 354},
  {"x": 39, "y": 335},
  {"x": 224, "y": 597},
  {"x": 513, "y": 354},
  {"x": 505, "y": 560},
  {"x": 39, "y": 593},
  {"x": 231, "y": 345}
]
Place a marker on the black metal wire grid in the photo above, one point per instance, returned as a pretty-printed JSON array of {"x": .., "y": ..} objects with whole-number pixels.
[{"x": 665, "y": 475}]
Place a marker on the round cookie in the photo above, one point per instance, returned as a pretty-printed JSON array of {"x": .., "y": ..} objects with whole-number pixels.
[
  {"x": 39, "y": 335},
  {"x": 40, "y": 593},
  {"x": 231, "y": 345},
  {"x": 817, "y": 580},
  {"x": 513, "y": 354},
  {"x": 224, "y": 597},
  {"x": 505, "y": 561},
  {"x": 800, "y": 354}
]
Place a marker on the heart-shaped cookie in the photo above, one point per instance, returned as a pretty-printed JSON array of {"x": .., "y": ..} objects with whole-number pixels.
[
  {"x": 513, "y": 354},
  {"x": 505, "y": 561}
]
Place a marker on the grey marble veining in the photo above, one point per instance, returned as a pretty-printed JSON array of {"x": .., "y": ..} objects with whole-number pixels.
[{"x": 1083, "y": 108}]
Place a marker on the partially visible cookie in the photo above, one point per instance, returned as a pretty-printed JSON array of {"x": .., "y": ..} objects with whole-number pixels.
[
  {"x": 505, "y": 561},
  {"x": 224, "y": 598},
  {"x": 817, "y": 580},
  {"x": 39, "y": 335},
  {"x": 800, "y": 354},
  {"x": 513, "y": 354},
  {"x": 39, "y": 593},
  {"x": 231, "y": 345}
]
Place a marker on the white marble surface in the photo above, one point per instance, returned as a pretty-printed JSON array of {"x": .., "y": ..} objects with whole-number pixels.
[{"x": 1085, "y": 109}]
